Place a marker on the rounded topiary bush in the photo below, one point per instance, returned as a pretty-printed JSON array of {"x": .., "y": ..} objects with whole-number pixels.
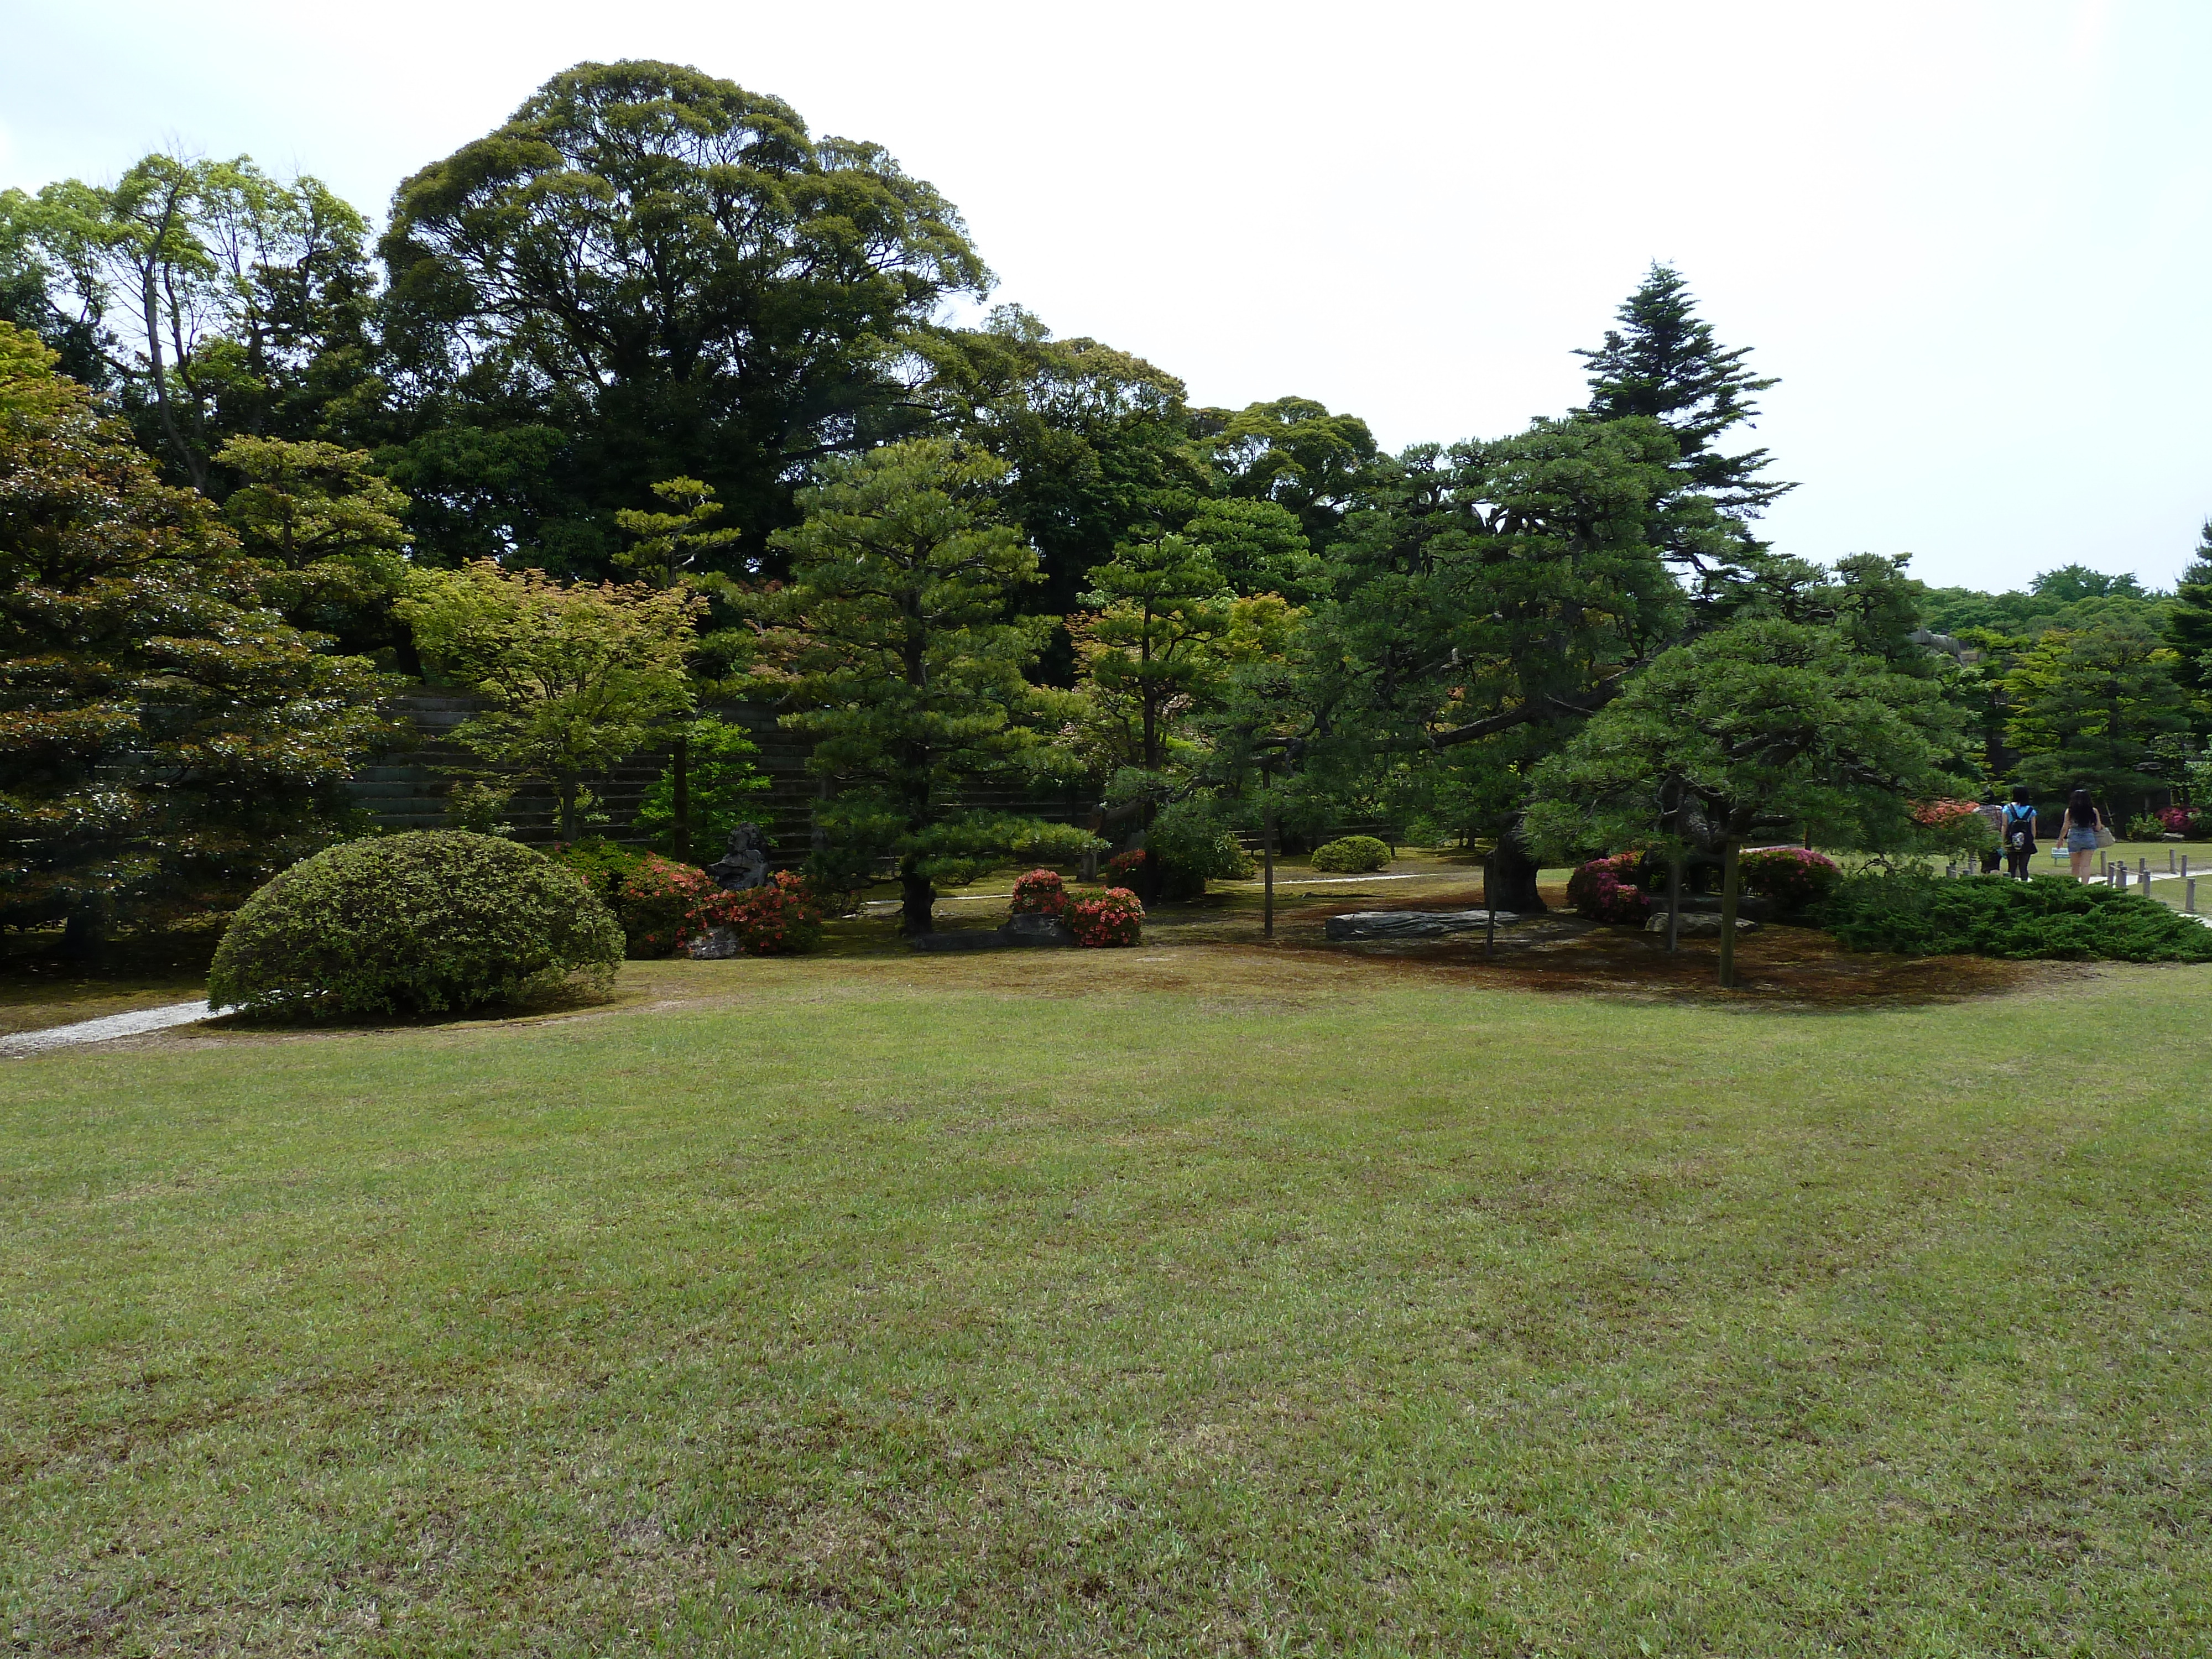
[
  {"x": 1351, "y": 855},
  {"x": 431, "y": 922}
]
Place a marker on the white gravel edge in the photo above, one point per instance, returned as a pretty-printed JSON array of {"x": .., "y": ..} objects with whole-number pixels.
[{"x": 100, "y": 1030}]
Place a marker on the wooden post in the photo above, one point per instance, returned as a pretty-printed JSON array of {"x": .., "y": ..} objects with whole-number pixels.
[
  {"x": 2190, "y": 882},
  {"x": 1729, "y": 875},
  {"x": 1267, "y": 873}
]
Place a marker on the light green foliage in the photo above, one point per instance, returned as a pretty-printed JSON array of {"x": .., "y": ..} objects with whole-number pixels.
[
  {"x": 895, "y": 638},
  {"x": 431, "y": 922},
  {"x": 166, "y": 743},
  {"x": 807, "y": 1307},
  {"x": 723, "y": 783},
  {"x": 2087, "y": 707},
  {"x": 226, "y": 301},
  {"x": 1351, "y": 855},
  {"x": 579, "y": 675},
  {"x": 1164, "y": 634},
  {"x": 332, "y": 531},
  {"x": 672, "y": 546}
]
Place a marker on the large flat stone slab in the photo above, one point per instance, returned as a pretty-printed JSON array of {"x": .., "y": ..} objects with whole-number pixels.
[{"x": 1411, "y": 924}]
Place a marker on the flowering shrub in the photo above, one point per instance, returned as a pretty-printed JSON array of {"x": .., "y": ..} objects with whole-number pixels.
[
  {"x": 1942, "y": 814},
  {"x": 1127, "y": 864},
  {"x": 658, "y": 899},
  {"x": 777, "y": 918},
  {"x": 1793, "y": 877},
  {"x": 1600, "y": 890},
  {"x": 2193, "y": 822},
  {"x": 1951, "y": 825},
  {"x": 1114, "y": 917},
  {"x": 1040, "y": 893}
]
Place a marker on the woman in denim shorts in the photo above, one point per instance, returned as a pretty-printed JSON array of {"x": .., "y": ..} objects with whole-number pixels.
[{"x": 2078, "y": 830}]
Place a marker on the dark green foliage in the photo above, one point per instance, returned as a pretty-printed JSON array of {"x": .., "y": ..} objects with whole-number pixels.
[
  {"x": 166, "y": 743},
  {"x": 1351, "y": 855},
  {"x": 2189, "y": 623},
  {"x": 435, "y": 921},
  {"x": 2049, "y": 916},
  {"x": 672, "y": 275},
  {"x": 1663, "y": 364},
  {"x": 1192, "y": 846}
]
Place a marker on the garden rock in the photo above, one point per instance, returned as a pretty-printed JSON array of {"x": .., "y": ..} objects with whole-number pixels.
[
  {"x": 715, "y": 945},
  {"x": 1038, "y": 930},
  {"x": 1697, "y": 924},
  {"x": 1410, "y": 924}
]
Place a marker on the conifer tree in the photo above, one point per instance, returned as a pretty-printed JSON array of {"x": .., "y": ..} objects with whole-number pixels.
[
  {"x": 2189, "y": 627},
  {"x": 166, "y": 743},
  {"x": 1663, "y": 363},
  {"x": 895, "y": 637}
]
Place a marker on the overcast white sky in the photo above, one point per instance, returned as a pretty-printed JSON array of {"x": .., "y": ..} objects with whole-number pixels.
[{"x": 1973, "y": 240}]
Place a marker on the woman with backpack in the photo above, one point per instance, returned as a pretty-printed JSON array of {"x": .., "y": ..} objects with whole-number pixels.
[
  {"x": 2080, "y": 830},
  {"x": 2017, "y": 829}
]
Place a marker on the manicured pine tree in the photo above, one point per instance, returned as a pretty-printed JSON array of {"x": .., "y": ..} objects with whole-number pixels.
[
  {"x": 895, "y": 638},
  {"x": 1756, "y": 727}
]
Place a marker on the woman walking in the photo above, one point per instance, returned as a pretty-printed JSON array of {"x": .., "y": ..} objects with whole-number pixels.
[
  {"x": 2018, "y": 828},
  {"x": 2079, "y": 830}
]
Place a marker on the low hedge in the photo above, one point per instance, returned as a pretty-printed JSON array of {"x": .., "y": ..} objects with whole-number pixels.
[
  {"x": 2049, "y": 917},
  {"x": 1351, "y": 855},
  {"x": 435, "y": 921}
]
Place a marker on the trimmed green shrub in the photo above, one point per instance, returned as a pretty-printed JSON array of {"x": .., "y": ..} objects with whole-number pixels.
[
  {"x": 1351, "y": 855},
  {"x": 1191, "y": 847},
  {"x": 435, "y": 921},
  {"x": 1917, "y": 915}
]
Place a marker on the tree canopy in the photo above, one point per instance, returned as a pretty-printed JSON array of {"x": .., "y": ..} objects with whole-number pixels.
[{"x": 650, "y": 273}]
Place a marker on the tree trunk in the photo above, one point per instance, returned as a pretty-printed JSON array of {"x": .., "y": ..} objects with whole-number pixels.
[
  {"x": 917, "y": 901},
  {"x": 1674, "y": 903},
  {"x": 566, "y": 789},
  {"x": 1517, "y": 875},
  {"x": 1728, "y": 874},
  {"x": 679, "y": 767},
  {"x": 85, "y": 934}
]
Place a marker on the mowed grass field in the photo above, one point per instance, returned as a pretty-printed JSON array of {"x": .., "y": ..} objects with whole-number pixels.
[{"x": 1187, "y": 1302}]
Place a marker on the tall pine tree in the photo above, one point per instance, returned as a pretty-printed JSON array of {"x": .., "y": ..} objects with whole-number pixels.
[
  {"x": 2189, "y": 628},
  {"x": 1663, "y": 362}
]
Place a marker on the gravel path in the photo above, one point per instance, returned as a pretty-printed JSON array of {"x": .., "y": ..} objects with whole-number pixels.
[{"x": 99, "y": 1031}]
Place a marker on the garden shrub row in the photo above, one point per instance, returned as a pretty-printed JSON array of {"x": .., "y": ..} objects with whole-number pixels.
[
  {"x": 2055, "y": 917},
  {"x": 1114, "y": 917}
]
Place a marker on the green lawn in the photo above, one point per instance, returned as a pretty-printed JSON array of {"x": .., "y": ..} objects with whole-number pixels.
[{"x": 1166, "y": 1302}]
